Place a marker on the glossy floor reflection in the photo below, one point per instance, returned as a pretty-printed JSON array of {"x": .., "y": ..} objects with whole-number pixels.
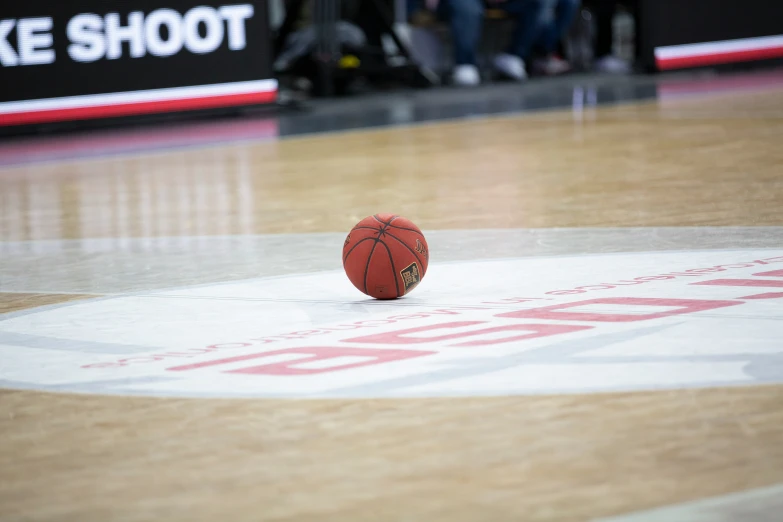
[{"x": 579, "y": 94}]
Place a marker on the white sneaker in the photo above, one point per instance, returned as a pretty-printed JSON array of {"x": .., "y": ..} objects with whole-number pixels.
[
  {"x": 551, "y": 66},
  {"x": 612, "y": 64},
  {"x": 466, "y": 75},
  {"x": 511, "y": 65}
]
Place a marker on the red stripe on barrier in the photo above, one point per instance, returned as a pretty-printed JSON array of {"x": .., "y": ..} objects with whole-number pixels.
[
  {"x": 128, "y": 109},
  {"x": 682, "y": 62}
]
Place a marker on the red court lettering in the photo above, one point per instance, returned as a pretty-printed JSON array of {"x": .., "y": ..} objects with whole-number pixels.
[
  {"x": 677, "y": 307},
  {"x": 408, "y": 336},
  {"x": 627, "y": 283},
  {"x": 399, "y": 336},
  {"x": 311, "y": 354},
  {"x": 773, "y": 273},
  {"x": 757, "y": 283},
  {"x": 221, "y": 346}
]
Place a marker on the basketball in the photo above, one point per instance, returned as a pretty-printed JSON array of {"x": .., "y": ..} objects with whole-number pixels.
[{"x": 385, "y": 256}]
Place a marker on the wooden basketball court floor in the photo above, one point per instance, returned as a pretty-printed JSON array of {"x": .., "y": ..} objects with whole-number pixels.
[{"x": 178, "y": 341}]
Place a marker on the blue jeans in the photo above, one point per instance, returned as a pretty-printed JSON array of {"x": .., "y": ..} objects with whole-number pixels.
[
  {"x": 553, "y": 31},
  {"x": 466, "y": 18}
]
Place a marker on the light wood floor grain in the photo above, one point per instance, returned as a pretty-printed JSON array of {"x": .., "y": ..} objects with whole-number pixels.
[{"x": 715, "y": 161}]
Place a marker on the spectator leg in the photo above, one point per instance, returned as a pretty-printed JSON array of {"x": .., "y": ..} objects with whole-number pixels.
[
  {"x": 565, "y": 11},
  {"x": 604, "y": 11},
  {"x": 527, "y": 15},
  {"x": 465, "y": 18}
]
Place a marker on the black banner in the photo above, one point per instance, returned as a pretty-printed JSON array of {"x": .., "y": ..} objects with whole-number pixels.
[{"x": 57, "y": 49}]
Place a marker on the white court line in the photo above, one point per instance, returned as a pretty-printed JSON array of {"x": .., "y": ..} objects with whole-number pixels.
[{"x": 755, "y": 505}]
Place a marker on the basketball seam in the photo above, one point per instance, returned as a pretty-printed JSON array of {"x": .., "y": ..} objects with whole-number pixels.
[
  {"x": 389, "y": 224},
  {"x": 356, "y": 245},
  {"x": 394, "y": 270},
  {"x": 409, "y": 248},
  {"x": 367, "y": 266},
  {"x": 385, "y": 224},
  {"x": 408, "y": 229},
  {"x": 377, "y": 240},
  {"x": 366, "y": 228}
]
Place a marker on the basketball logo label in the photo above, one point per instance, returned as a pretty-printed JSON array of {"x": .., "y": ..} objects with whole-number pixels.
[
  {"x": 347, "y": 240},
  {"x": 410, "y": 277},
  {"x": 421, "y": 250}
]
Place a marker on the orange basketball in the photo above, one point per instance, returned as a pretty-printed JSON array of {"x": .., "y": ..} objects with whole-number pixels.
[{"x": 385, "y": 256}]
